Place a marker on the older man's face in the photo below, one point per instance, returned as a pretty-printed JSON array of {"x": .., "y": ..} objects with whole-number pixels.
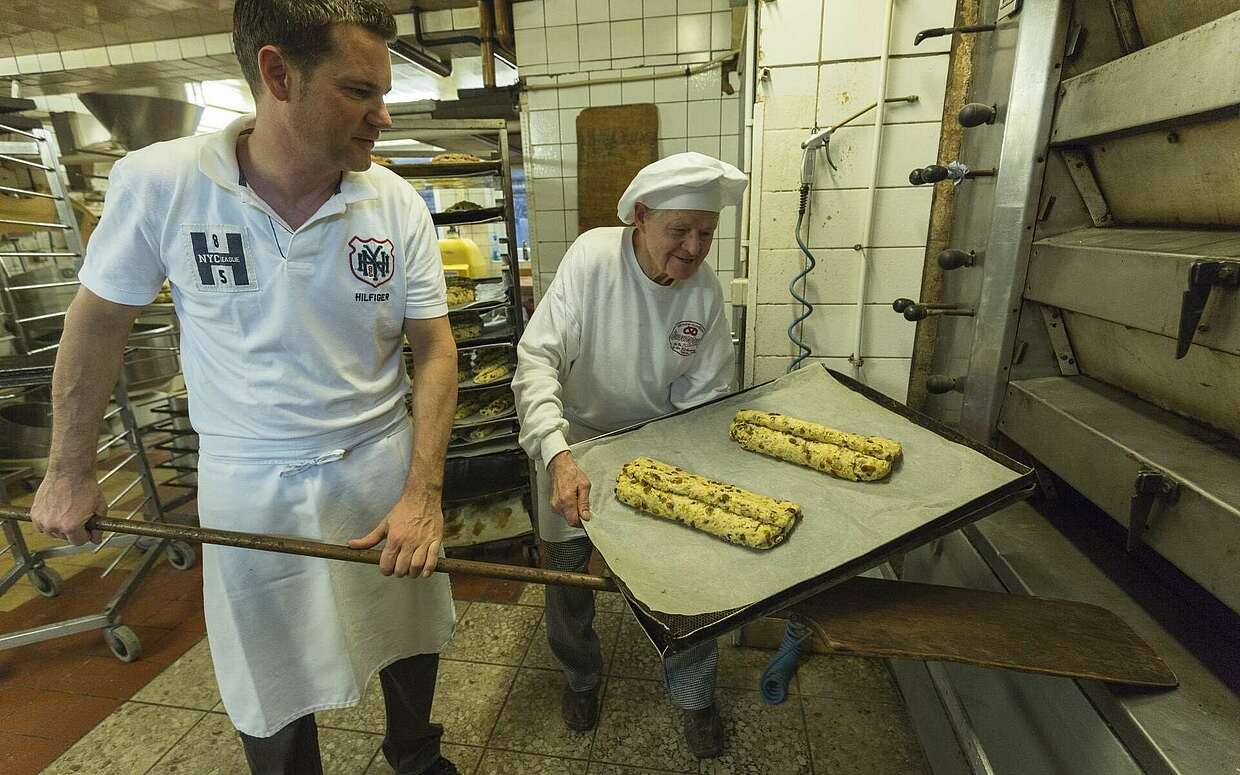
[
  {"x": 339, "y": 106},
  {"x": 677, "y": 240}
]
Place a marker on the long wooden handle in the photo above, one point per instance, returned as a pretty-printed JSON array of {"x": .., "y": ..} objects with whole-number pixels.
[{"x": 307, "y": 548}]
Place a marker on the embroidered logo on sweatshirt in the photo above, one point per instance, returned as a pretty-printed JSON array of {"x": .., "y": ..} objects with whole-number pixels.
[{"x": 685, "y": 337}]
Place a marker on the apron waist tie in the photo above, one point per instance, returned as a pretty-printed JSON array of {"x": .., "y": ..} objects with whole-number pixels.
[{"x": 325, "y": 458}]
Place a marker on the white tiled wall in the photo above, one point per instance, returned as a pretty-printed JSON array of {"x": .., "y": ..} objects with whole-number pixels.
[
  {"x": 574, "y": 47},
  {"x": 822, "y": 60}
]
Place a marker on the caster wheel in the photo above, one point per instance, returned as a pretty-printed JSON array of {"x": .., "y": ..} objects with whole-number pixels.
[
  {"x": 532, "y": 556},
  {"x": 123, "y": 643},
  {"x": 46, "y": 581},
  {"x": 181, "y": 555}
]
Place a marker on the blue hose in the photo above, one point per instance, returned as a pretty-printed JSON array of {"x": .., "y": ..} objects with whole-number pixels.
[
  {"x": 807, "y": 309},
  {"x": 783, "y": 666}
]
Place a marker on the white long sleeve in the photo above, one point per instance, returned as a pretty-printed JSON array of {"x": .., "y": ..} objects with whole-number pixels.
[
  {"x": 607, "y": 347},
  {"x": 547, "y": 349}
]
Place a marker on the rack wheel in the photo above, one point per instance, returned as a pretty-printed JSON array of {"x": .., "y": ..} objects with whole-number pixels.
[
  {"x": 46, "y": 581},
  {"x": 123, "y": 643},
  {"x": 532, "y": 556},
  {"x": 181, "y": 555}
]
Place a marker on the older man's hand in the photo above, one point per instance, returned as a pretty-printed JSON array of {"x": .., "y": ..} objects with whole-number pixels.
[{"x": 570, "y": 489}]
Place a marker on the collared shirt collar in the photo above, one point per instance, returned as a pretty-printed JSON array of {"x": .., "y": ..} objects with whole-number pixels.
[{"x": 218, "y": 161}]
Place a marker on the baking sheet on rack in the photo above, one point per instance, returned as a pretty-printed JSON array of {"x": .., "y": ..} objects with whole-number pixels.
[{"x": 678, "y": 570}]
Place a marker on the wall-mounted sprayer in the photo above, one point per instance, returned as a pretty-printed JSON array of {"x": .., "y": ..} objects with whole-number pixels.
[{"x": 820, "y": 139}]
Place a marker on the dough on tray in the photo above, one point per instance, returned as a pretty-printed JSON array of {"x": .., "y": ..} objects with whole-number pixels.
[
  {"x": 874, "y": 446},
  {"x": 828, "y": 458},
  {"x": 669, "y": 478},
  {"x": 725, "y": 511},
  {"x": 732, "y": 528}
]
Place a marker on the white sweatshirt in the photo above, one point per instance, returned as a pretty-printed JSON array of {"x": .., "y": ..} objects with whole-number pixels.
[{"x": 608, "y": 347}]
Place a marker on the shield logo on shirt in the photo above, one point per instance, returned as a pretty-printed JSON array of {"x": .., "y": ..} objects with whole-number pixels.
[
  {"x": 685, "y": 337},
  {"x": 372, "y": 260}
]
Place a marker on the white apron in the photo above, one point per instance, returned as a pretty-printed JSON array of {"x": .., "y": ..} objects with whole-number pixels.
[{"x": 293, "y": 635}]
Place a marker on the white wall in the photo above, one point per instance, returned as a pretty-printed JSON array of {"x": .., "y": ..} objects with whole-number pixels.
[
  {"x": 568, "y": 44},
  {"x": 822, "y": 59}
]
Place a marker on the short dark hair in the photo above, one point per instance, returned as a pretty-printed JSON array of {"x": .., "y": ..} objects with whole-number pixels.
[{"x": 301, "y": 29}]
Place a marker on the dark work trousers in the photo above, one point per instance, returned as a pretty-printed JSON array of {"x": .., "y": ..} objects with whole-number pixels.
[
  {"x": 689, "y": 675},
  {"x": 411, "y": 744}
]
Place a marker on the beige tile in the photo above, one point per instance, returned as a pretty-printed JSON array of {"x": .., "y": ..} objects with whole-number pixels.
[
  {"x": 635, "y": 656},
  {"x": 760, "y": 738},
  {"x": 851, "y": 678},
  {"x": 851, "y": 738},
  {"x": 510, "y": 763},
  {"x": 21, "y": 592},
  {"x": 494, "y": 633},
  {"x": 468, "y": 698},
  {"x": 465, "y": 757},
  {"x": 187, "y": 683},
  {"x": 611, "y": 602},
  {"x": 131, "y": 740},
  {"x": 606, "y": 625},
  {"x": 640, "y": 727},
  {"x": 346, "y": 753},
  {"x": 369, "y": 715},
  {"x": 742, "y": 668},
  {"x": 534, "y": 594},
  {"x": 210, "y": 748},
  {"x": 531, "y": 720},
  {"x": 600, "y": 768}
]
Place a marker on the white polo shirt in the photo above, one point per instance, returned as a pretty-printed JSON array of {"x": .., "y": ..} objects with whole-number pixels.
[{"x": 290, "y": 340}]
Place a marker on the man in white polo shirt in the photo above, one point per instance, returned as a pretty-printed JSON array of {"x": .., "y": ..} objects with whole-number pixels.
[{"x": 297, "y": 267}]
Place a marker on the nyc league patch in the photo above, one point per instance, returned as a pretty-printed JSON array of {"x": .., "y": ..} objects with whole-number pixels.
[{"x": 218, "y": 254}]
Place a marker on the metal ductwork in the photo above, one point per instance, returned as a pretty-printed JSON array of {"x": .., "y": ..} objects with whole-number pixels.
[{"x": 137, "y": 120}]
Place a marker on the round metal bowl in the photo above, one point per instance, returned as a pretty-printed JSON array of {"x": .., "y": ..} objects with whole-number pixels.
[
  {"x": 43, "y": 301},
  {"x": 152, "y": 359},
  {"x": 26, "y": 430}
]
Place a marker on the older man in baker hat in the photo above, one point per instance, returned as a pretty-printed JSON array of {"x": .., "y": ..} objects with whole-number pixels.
[{"x": 633, "y": 327}]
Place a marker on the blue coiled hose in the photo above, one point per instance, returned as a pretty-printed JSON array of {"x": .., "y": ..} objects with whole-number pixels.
[
  {"x": 794, "y": 330},
  {"x": 783, "y": 665}
]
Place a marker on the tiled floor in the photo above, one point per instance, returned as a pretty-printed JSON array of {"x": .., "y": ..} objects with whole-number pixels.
[
  {"x": 69, "y": 706},
  {"x": 500, "y": 709}
]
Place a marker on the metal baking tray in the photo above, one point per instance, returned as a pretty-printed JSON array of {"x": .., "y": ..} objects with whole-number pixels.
[{"x": 674, "y": 632}]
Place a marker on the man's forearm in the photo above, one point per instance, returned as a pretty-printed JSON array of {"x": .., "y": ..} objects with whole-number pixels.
[
  {"x": 434, "y": 403},
  {"x": 88, "y": 363}
]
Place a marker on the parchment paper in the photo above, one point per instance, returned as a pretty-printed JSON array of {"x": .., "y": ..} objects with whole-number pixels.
[{"x": 678, "y": 570}]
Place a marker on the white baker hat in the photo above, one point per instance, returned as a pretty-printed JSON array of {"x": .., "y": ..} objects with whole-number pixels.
[{"x": 683, "y": 181}]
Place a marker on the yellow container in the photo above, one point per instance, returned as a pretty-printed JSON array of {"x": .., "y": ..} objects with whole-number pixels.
[{"x": 456, "y": 251}]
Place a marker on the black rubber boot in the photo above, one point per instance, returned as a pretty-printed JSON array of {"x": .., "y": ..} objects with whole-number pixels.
[
  {"x": 704, "y": 732},
  {"x": 580, "y": 709},
  {"x": 443, "y": 767}
]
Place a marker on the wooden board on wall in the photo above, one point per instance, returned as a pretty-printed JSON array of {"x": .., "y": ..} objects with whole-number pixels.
[{"x": 613, "y": 143}]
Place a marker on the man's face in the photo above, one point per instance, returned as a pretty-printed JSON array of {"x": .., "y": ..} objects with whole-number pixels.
[
  {"x": 677, "y": 240},
  {"x": 337, "y": 108}
]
